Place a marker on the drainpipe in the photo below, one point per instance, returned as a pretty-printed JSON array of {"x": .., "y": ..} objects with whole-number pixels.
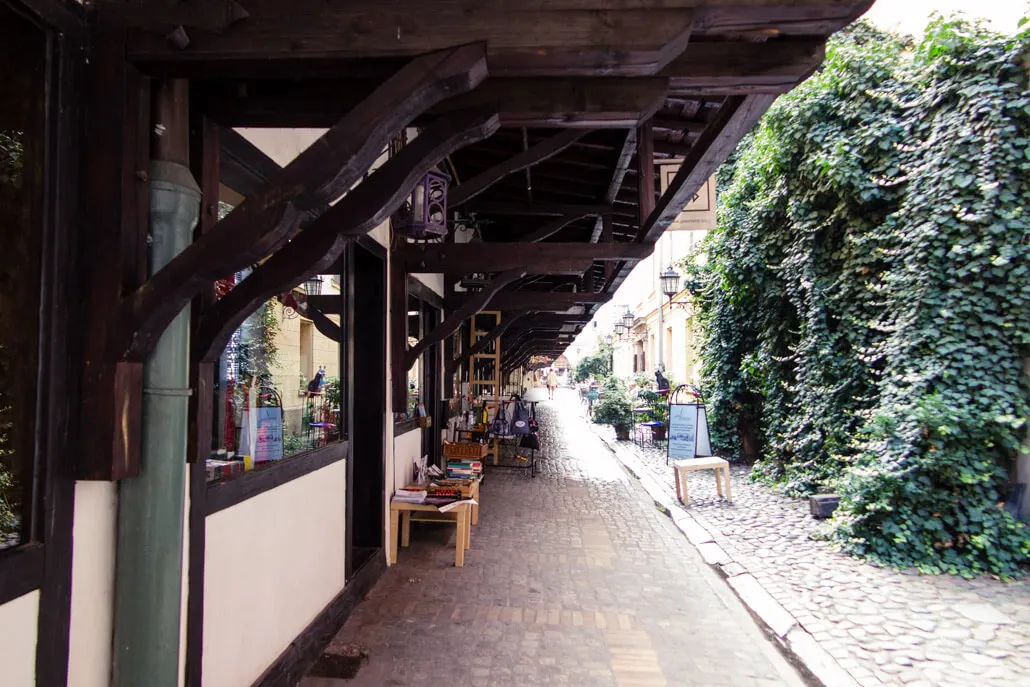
[
  {"x": 148, "y": 582},
  {"x": 660, "y": 363}
]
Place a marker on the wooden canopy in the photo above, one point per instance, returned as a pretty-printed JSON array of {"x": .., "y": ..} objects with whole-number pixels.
[{"x": 549, "y": 115}]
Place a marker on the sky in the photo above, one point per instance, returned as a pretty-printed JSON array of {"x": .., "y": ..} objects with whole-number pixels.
[{"x": 910, "y": 16}]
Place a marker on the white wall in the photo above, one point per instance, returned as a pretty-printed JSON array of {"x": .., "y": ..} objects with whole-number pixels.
[
  {"x": 406, "y": 448},
  {"x": 93, "y": 564},
  {"x": 18, "y": 622},
  {"x": 272, "y": 563}
]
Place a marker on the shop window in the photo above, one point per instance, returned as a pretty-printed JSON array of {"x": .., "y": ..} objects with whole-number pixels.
[
  {"x": 278, "y": 390},
  {"x": 22, "y": 127}
]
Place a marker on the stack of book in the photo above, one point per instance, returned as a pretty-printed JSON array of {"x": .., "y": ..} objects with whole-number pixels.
[
  {"x": 452, "y": 488},
  {"x": 412, "y": 494},
  {"x": 220, "y": 469},
  {"x": 464, "y": 468}
]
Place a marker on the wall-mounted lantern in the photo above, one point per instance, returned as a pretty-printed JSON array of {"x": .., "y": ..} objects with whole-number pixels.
[
  {"x": 424, "y": 215},
  {"x": 313, "y": 286},
  {"x": 670, "y": 282}
]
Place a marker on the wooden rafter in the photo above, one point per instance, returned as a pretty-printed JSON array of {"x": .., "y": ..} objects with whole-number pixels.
[
  {"x": 320, "y": 244},
  {"x": 542, "y": 209},
  {"x": 544, "y": 301},
  {"x": 306, "y": 185},
  {"x": 551, "y": 228},
  {"x": 535, "y": 258},
  {"x": 538, "y": 153},
  {"x": 472, "y": 305}
]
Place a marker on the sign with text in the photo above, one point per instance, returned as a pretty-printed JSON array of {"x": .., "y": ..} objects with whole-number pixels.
[
  {"x": 699, "y": 212},
  {"x": 688, "y": 431}
]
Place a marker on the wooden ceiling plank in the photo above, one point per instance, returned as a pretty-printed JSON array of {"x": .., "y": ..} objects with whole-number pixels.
[
  {"x": 627, "y": 42},
  {"x": 536, "y": 208},
  {"x": 538, "y": 153}
]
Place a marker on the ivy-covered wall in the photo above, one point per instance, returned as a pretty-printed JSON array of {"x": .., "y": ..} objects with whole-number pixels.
[{"x": 865, "y": 303}]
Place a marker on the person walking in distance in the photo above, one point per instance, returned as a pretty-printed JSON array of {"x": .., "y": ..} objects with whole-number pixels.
[{"x": 552, "y": 383}]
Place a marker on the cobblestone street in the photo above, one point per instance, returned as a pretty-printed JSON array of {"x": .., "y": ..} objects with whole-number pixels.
[
  {"x": 880, "y": 625},
  {"x": 572, "y": 578}
]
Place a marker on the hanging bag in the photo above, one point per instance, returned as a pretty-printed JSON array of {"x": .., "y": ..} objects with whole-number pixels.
[
  {"x": 500, "y": 424},
  {"x": 533, "y": 426},
  {"x": 519, "y": 420}
]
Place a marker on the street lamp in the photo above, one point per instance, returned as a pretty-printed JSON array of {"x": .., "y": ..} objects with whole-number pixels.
[
  {"x": 619, "y": 328},
  {"x": 670, "y": 282},
  {"x": 627, "y": 319}
]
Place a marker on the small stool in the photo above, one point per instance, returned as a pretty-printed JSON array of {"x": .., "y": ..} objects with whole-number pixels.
[{"x": 682, "y": 467}]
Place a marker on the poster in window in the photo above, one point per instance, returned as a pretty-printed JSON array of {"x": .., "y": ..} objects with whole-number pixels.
[
  {"x": 688, "y": 431},
  {"x": 262, "y": 434}
]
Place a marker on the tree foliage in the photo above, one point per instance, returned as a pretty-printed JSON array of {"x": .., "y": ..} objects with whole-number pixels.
[{"x": 864, "y": 305}]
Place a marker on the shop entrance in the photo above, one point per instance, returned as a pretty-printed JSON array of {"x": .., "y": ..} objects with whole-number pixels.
[{"x": 366, "y": 469}]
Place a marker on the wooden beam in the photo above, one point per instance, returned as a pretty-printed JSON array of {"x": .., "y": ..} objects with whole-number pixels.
[
  {"x": 671, "y": 148},
  {"x": 59, "y": 15},
  {"x": 645, "y": 172},
  {"x": 319, "y": 245},
  {"x": 398, "y": 336},
  {"x": 528, "y": 209},
  {"x": 541, "y": 151},
  {"x": 472, "y": 305},
  {"x": 734, "y": 119},
  {"x": 320, "y": 174},
  {"x": 622, "y": 165},
  {"x": 743, "y": 67},
  {"x": 591, "y": 103},
  {"x": 496, "y": 257},
  {"x": 527, "y": 42}
]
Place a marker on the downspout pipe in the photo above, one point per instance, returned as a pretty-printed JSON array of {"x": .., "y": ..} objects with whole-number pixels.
[{"x": 149, "y": 567}]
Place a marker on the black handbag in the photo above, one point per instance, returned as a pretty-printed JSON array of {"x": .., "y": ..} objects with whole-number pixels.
[
  {"x": 531, "y": 441},
  {"x": 500, "y": 423}
]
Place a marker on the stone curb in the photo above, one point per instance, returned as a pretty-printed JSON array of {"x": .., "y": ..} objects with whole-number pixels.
[{"x": 796, "y": 642}]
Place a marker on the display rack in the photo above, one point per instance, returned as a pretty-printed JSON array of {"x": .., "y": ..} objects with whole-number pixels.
[{"x": 485, "y": 366}]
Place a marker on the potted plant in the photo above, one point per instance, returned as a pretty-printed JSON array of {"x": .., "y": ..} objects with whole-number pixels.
[
  {"x": 658, "y": 405},
  {"x": 615, "y": 409}
]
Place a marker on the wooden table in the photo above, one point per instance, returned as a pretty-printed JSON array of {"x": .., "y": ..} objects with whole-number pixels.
[
  {"x": 682, "y": 467},
  {"x": 402, "y": 513}
]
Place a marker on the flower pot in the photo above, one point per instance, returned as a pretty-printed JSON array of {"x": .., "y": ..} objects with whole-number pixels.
[
  {"x": 658, "y": 432},
  {"x": 622, "y": 432}
]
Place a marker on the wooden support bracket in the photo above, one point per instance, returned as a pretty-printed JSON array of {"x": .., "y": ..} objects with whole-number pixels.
[
  {"x": 317, "y": 176},
  {"x": 320, "y": 244}
]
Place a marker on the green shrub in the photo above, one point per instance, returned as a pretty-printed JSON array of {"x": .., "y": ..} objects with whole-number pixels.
[{"x": 864, "y": 308}]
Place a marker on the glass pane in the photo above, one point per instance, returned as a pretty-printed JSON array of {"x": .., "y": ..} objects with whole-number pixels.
[
  {"x": 278, "y": 391},
  {"x": 22, "y": 53}
]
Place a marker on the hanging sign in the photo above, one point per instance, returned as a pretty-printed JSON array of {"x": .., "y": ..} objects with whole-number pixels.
[
  {"x": 262, "y": 434},
  {"x": 688, "y": 431}
]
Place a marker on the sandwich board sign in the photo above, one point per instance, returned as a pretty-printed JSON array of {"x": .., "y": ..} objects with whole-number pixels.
[{"x": 688, "y": 431}]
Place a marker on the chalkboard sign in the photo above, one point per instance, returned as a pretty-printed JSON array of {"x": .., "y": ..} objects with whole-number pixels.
[{"x": 688, "y": 431}]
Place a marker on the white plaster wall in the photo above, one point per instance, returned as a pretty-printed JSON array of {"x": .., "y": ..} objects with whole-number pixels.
[
  {"x": 433, "y": 281},
  {"x": 18, "y": 622},
  {"x": 406, "y": 448},
  {"x": 272, "y": 564},
  {"x": 94, "y": 535}
]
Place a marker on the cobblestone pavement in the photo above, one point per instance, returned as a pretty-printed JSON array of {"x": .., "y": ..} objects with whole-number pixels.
[
  {"x": 882, "y": 626},
  {"x": 573, "y": 578}
]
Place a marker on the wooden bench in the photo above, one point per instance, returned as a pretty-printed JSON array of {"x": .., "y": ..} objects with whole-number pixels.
[
  {"x": 402, "y": 513},
  {"x": 682, "y": 467}
]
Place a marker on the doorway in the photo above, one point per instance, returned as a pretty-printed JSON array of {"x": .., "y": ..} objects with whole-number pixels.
[{"x": 366, "y": 467}]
